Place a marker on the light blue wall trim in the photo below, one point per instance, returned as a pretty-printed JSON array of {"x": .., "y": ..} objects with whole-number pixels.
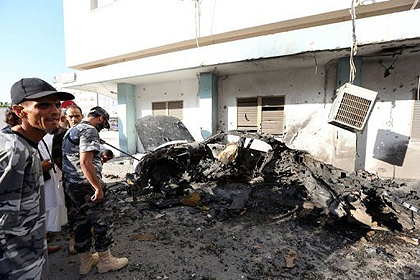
[
  {"x": 343, "y": 74},
  {"x": 208, "y": 90},
  {"x": 127, "y": 117},
  {"x": 343, "y": 71}
]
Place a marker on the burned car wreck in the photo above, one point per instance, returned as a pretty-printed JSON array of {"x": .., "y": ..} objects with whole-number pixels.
[
  {"x": 229, "y": 176},
  {"x": 245, "y": 206}
]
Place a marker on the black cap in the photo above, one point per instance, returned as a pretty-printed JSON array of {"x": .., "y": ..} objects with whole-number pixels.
[
  {"x": 100, "y": 111},
  {"x": 33, "y": 88}
]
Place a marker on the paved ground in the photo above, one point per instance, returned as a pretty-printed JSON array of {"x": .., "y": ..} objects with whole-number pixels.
[
  {"x": 112, "y": 138},
  {"x": 189, "y": 243}
]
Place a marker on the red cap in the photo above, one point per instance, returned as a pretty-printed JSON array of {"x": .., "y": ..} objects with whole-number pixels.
[{"x": 67, "y": 103}]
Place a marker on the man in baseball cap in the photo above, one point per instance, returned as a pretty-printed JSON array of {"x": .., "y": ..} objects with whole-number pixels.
[
  {"x": 35, "y": 111},
  {"x": 98, "y": 112},
  {"x": 33, "y": 88},
  {"x": 82, "y": 178}
]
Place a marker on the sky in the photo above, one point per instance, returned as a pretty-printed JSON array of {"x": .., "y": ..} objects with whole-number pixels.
[{"x": 31, "y": 42}]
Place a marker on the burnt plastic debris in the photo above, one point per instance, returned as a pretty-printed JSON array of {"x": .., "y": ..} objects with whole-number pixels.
[
  {"x": 154, "y": 131},
  {"x": 278, "y": 178}
]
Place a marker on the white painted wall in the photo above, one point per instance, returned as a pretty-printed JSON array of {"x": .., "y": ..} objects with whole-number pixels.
[
  {"x": 131, "y": 25},
  {"x": 306, "y": 109},
  {"x": 308, "y": 100},
  {"x": 306, "y": 105},
  {"x": 185, "y": 90},
  {"x": 393, "y": 113},
  {"x": 396, "y": 26},
  {"x": 88, "y": 99}
]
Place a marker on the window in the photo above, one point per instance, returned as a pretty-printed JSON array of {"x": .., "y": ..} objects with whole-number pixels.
[
  {"x": 272, "y": 115},
  {"x": 159, "y": 109},
  {"x": 415, "y": 123},
  {"x": 261, "y": 114},
  {"x": 169, "y": 108},
  {"x": 247, "y": 114}
]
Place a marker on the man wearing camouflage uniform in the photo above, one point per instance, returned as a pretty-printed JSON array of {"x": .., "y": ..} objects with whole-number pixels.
[
  {"x": 82, "y": 173},
  {"x": 72, "y": 115},
  {"x": 34, "y": 112}
]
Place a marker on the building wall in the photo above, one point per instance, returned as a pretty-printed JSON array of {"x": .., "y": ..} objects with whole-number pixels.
[
  {"x": 127, "y": 26},
  {"x": 390, "y": 151},
  {"x": 308, "y": 98},
  {"x": 136, "y": 25},
  {"x": 185, "y": 90},
  {"x": 307, "y": 104},
  {"x": 87, "y": 100}
]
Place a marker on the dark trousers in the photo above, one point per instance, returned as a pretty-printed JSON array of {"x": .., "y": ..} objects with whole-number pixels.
[
  {"x": 70, "y": 210},
  {"x": 88, "y": 215}
]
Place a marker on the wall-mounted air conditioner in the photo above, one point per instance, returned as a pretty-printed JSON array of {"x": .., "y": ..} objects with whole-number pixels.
[
  {"x": 352, "y": 107},
  {"x": 68, "y": 78}
]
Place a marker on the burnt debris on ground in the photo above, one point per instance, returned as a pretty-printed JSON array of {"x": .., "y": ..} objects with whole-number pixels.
[
  {"x": 231, "y": 178},
  {"x": 212, "y": 210},
  {"x": 222, "y": 210}
]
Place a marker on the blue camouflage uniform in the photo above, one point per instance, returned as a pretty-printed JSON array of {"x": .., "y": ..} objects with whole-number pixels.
[
  {"x": 22, "y": 208},
  {"x": 87, "y": 214}
]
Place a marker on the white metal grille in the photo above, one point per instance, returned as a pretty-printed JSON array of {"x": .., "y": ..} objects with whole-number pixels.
[
  {"x": 415, "y": 125},
  {"x": 352, "y": 107},
  {"x": 353, "y": 110}
]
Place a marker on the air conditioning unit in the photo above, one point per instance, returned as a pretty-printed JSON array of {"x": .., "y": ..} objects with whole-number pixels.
[
  {"x": 352, "y": 107},
  {"x": 68, "y": 78}
]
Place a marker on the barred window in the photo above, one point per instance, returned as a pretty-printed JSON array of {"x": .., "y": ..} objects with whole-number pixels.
[
  {"x": 168, "y": 108},
  {"x": 261, "y": 114}
]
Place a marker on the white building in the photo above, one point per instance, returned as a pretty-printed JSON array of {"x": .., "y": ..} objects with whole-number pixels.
[
  {"x": 88, "y": 99},
  {"x": 267, "y": 65}
]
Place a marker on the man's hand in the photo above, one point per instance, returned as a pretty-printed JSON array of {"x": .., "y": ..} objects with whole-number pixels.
[
  {"x": 86, "y": 163},
  {"x": 98, "y": 196},
  {"x": 46, "y": 165}
]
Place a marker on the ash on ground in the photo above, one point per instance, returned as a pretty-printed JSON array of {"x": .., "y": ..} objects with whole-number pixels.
[{"x": 278, "y": 215}]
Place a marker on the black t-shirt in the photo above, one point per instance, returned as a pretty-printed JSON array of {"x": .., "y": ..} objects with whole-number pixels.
[{"x": 57, "y": 151}]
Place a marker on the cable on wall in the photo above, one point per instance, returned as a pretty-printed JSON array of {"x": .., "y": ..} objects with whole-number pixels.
[
  {"x": 390, "y": 67},
  {"x": 212, "y": 21},
  {"x": 353, "y": 51},
  {"x": 197, "y": 17},
  {"x": 414, "y": 4}
]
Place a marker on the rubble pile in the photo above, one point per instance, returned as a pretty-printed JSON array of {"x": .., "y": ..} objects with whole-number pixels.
[
  {"x": 214, "y": 211},
  {"x": 230, "y": 178},
  {"x": 245, "y": 206}
]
